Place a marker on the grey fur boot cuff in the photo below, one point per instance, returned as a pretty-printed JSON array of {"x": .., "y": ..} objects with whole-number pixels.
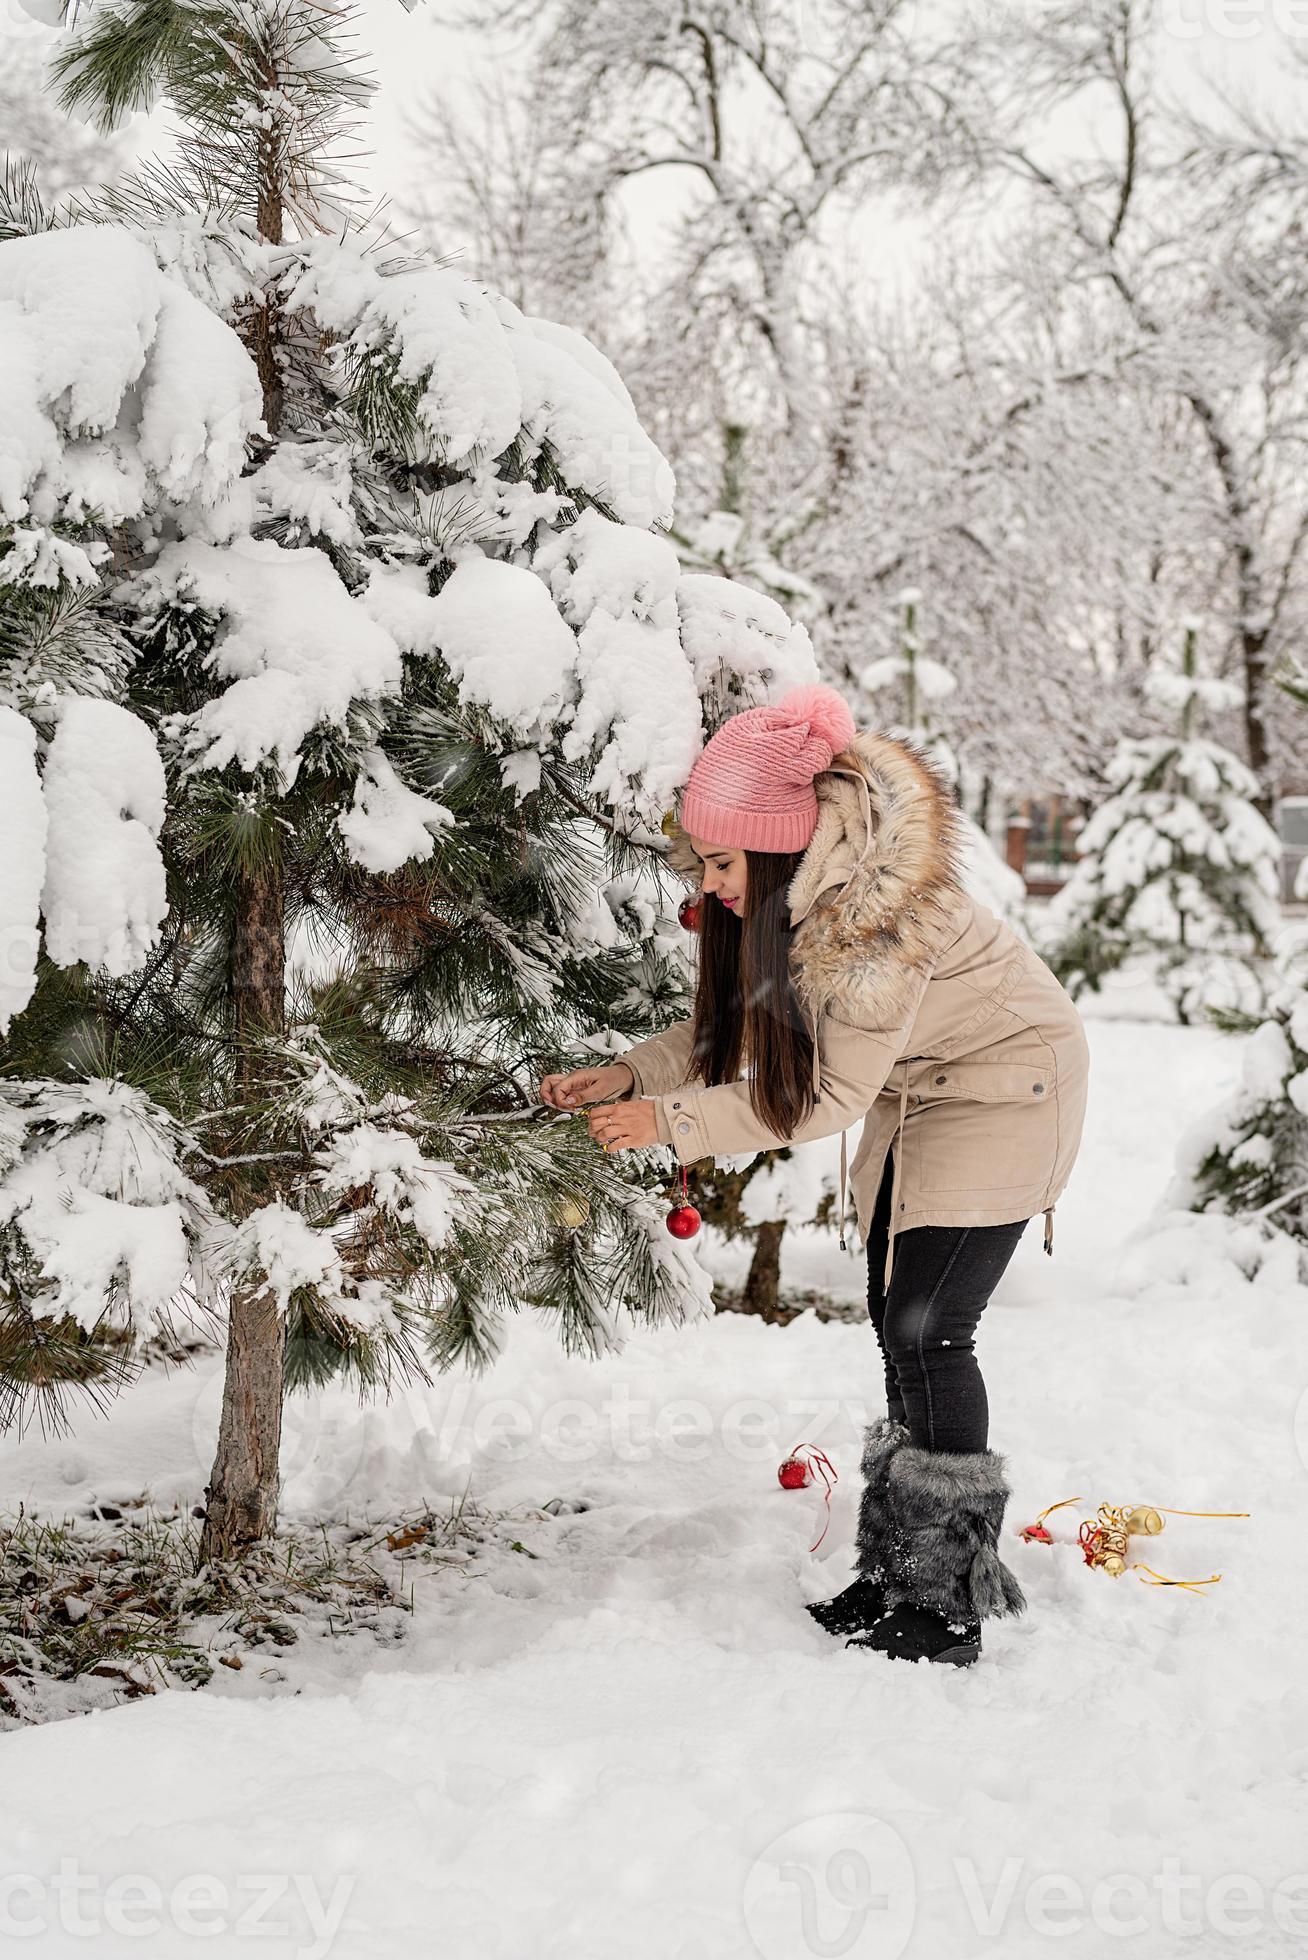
[
  {"x": 944, "y": 1511},
  {"x": 881, "y": 1439}
]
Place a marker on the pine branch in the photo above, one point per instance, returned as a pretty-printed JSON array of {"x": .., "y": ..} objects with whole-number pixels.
[
  {"x": 23, "y": 211},
  {"x": 45, "y": 1362},
  {"x": 65, "y": 639}
]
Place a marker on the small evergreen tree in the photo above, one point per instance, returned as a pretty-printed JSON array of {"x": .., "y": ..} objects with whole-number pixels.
[
  {"x": 1249, "y": 1157},
  {"x": 346, "y": 676},
  {"x": 1177, "y": 864}
]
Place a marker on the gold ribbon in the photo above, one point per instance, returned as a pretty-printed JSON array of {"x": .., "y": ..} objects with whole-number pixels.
[{"x": 1105, "y": 1539}]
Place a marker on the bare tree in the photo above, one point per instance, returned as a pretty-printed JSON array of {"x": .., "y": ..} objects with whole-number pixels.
[
  {"x": 1081, "y": 422},
  {"x": 497, "y": 184},
  {"x": 1218, "y": 304},
  {"x": 769, "y": 117}
]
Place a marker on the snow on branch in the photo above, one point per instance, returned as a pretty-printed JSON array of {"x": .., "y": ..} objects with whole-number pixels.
[
  {"x": 121, "y": 389},
  {"x": 22, "y": 863},
  {"x": 638, "y": 715},
  {"x": 742, "y": 646},
  {"x": 105, "y": 895},
  {"x": 92, "y": 1194},
  {"x": 433, "y": 330},
  {"x": 600, "y": 445},
  {"x": 1176, "y": 690},
  {"x": 933, "y": 681},
  {"x": 472, "y": 374},
  {"x": 297, "y": 648},
  {"x": 505, "y": 644},
  {"x": 389, "y": 824}
]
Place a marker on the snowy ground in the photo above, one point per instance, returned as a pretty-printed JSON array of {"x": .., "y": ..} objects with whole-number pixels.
[{"x": 626, "y": 1738}]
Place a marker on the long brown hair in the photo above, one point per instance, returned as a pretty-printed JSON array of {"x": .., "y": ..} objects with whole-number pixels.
[{"x": 745, "y": 1002}]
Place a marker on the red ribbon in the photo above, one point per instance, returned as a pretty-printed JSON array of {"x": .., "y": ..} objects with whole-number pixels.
[{"x": 815, "y": 1459}]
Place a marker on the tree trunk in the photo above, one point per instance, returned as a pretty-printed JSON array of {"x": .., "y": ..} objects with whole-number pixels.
[
  {"x": 762, "y": 1288},
  {"x": 258, "y": 969},
  {"x": 241, "y": 1495},
  {"x": 1255, "y": 618},
  {"x": 1257, "y": 685}
]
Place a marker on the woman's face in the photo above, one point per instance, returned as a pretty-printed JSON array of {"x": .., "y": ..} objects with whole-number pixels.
[{"x": 726, "y": 874}]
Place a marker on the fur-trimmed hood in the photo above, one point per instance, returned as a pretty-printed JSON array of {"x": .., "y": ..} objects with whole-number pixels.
[{"x": 875, "y": 895}]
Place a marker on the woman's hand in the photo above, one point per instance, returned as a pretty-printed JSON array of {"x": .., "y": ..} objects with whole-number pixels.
[
  {"x": 618, "y": 1126},
  {"x": 585, "y": 1085},
  {"x": 623, "y": 1126}
]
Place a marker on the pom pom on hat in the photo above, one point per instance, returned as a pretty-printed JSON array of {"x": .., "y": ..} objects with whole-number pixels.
[
  {"x": 752, "y": 785},
  {"x": 825, "y": 711}
]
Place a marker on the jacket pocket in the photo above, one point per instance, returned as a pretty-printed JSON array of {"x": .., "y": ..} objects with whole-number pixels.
[
  {"x": 986, "y": 1126},
  {"x": 984, "y": 1081}
]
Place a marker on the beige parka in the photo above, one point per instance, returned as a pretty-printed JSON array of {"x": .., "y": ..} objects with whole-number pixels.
[{"x": 932, "y": 1020}]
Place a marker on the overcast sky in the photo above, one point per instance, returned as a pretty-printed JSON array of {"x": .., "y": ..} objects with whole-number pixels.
[{"x": 1239, "y": 44}]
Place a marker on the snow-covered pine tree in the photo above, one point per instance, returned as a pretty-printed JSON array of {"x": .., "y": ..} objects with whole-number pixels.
[
  {"x": 913, "y": 683},
  {"x": 1248, "y": 1158},
  {"x": 347, "y": 677},
  {"x": 1177, "y": 864}
]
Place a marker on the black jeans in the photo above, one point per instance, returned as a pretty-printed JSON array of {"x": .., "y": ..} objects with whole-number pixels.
[{"x": 941, "y": 1279}]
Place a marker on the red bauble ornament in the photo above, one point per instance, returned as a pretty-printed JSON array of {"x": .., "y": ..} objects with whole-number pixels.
[
  {"x": 688, "y": 914},
  {"x": 683, "y": 1220},
  {"x": 805, "y": 1464},
  {"x": 1039, "y": 1534}
]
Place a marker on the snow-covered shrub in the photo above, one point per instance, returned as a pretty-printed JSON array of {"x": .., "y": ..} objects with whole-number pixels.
[
  {"x": 1177, "y": 864},
  {"x": 346, "y": 675},
  {"x": 1248, "y": 1158}
]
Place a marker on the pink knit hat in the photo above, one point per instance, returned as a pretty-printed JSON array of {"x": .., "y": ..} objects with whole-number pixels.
[{"x": 752, "y": 784}]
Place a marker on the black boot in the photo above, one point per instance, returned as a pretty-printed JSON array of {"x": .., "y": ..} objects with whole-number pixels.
[
  {"x": 943, "y": 1574},
  {"x": 850, "y": 1610},
  {"x": 864, "y": 1601},
  {"x": 912, "y": 1633}
]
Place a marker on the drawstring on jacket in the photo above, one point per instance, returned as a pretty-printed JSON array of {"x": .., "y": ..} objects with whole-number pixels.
[
  {"x": 894, "y": 1187},
  {"x": 898, "y": 1149}
]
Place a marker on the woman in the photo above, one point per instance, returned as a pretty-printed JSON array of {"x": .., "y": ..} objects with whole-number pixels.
[{"x": 841, "y": 957}]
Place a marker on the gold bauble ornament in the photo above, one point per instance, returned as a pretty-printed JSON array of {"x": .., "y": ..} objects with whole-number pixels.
[
  {"x": 571, "y": 1211},
  {"x": 669, "y": 826},
  {"x": 1106, "y": 1539}
]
